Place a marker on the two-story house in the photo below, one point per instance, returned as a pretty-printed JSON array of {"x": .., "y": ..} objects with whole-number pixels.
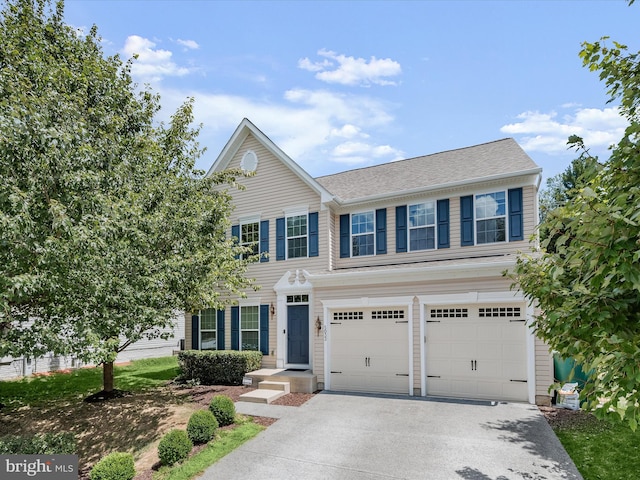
[{"x": 386, "y": 278}]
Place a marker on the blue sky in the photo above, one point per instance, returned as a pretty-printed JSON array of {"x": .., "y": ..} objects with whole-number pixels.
[{"x": 341, "y": 85}]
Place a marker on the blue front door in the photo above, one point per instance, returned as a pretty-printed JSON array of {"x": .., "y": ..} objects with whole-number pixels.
[{"x": 298, "y": 334}]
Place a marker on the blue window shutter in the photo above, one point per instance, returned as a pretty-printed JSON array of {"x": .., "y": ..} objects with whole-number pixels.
[
  {"x": 235, "y": 328},
  {"x": 516, "y": 229},
  {"x": 220, "y": 329},
  {"x": 264, "y": 240},
  {"x": 401, "y": 229},
  {"x": 195, "y": 332},
  {"x": 381, "y": 231},
  {"x": 264, "y": 329},
  {"x": 313, "y": 234},
  {"x": 443, "y": 223},
  {"x": 280, "y": 238},
  {"x": 345, "y": 234},
  {"x": 235, "y": 232},
  {"x": 466, "y": 221}
]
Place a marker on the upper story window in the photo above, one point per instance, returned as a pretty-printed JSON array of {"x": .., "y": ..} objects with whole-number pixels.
[
  {"x": 491, "y": 217},
  {"x": 208, "y": 330},
  {"x": 297, "y": 236},
  {"x": 250, "y": 237},
  {"x": 362, "y": 234},
  {"x": 422, "y": 226}
]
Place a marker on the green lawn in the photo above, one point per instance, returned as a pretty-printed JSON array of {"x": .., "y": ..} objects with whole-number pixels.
[
  {"x": 139, "y": 376},
  {"x": 600, "y": 450}
]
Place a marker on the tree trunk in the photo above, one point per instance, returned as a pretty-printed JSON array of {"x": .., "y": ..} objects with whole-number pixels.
[{"x": 107, "y": 377}]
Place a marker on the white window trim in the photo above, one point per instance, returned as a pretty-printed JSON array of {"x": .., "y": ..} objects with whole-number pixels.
[
  {"x": 506, "y": 216},
  {"x": 434, "y": 225},
  {"x": 351, "y": 234},
  {"x": 250, "y": 221},
  {"x": 295, "y": 213},
  {"x": 200, "y": 329},
  {"x": 240, "y": 329}
]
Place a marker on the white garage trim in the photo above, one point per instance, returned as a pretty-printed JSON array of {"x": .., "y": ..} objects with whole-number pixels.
[
  {"x": 474, "y": 298},
  {"x": 366, "y": 302}
]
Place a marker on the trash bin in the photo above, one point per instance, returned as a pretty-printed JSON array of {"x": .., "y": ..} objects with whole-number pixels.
[{"x": 563, "y": 368}]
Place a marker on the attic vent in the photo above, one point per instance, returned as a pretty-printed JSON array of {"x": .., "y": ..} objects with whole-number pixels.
[
  {"x": 338, "y": 316},
  {"x": 499, "y": 312},
  {"x": 386, "y": 314},
  {"x": 449, "y": 313}
]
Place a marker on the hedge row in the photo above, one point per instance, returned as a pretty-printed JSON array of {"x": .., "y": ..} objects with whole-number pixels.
[{"x": 218, "y": 367}]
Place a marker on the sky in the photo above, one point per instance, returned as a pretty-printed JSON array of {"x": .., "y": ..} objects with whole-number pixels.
[{"x": 339, "y": 85}]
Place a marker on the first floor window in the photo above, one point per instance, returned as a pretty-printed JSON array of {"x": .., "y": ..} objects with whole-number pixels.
[
  {"x": 249, "y": 328},
  {"x": 422, "y": 226},
  {"x": 250, "y": 237},
  {"x": 208, "y": 333},
  {"x": 297, "y": 236},
  {"x": 491, "y": 217},
  {"x": 362, "y": 234}
]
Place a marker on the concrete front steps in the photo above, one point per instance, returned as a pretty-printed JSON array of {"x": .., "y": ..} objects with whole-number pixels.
[
  {"x": 300, "y": 381},
  {"x": 267, "y": 392}
]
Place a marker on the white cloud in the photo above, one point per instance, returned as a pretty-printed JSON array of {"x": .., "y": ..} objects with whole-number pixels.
[
  {"x": 190, "y": 44},
  {"x": 310, "y": 126},
  {"x": 548, "y": 132},
  {"x": 152, "y": 64},
  {"x": 338, "y": 68}
]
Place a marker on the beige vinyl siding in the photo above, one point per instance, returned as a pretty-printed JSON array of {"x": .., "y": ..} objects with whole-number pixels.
[
  {"x": 544, "y": 371},
  {"x": 455, "y": 250},
  {"x": 269, "y": 193}
]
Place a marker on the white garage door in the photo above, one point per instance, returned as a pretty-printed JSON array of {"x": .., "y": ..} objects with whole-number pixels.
[
  {"x": 477, "y": 352},
  {"x": 370, "y": 351}
]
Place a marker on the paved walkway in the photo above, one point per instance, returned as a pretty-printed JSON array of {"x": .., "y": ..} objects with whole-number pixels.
[{"x": 354, "y": 437}]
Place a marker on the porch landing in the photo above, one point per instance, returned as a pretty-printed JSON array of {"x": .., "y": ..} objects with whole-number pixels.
[{"x": 300, "y": 381}]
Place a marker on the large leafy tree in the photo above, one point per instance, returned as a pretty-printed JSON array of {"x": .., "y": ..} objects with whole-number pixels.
[
  {"x": 588, "y": 287},
  {"x": 106, "y": 228}
]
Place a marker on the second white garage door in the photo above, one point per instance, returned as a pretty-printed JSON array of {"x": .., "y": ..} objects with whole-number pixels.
[
  {"x": 370, "y": 351},
  {"x": 477, "y": 352}
]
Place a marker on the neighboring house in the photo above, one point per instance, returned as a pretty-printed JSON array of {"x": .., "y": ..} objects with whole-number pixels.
[
  {"x": 386, "y": 278},
  {"x": 11, "y": 367}
]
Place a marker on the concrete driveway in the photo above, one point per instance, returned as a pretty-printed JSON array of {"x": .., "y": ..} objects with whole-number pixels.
[{"x": 354, "y": 437}]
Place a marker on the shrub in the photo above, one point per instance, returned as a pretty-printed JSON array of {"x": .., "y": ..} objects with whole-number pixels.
[
  {"x": 202, "y": 426},
  {"x": 174, "y": 447},
  {"x": 217, "y": 367},
  {"x": 47, "y": 444},
  {"x": 115, "y": 466},
  {"x": 223, "y": 409}
]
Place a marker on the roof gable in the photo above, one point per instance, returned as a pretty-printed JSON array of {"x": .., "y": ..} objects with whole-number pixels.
[{"x": 237, "y": 140}]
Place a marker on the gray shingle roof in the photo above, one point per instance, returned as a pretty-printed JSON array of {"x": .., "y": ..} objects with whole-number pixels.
[{"x": 439, "y": 169}]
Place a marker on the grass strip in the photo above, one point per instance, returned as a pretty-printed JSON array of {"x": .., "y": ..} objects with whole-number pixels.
[
  {"x": 225, "y": 442},
  {"x": 602, "y": 451},
  {"x": 35, "y": 390}
]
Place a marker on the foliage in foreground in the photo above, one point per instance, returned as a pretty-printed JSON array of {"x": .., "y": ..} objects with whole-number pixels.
[
  {"x": 106, "y": 227},
  {"x": 588, "y": 287},
  {"x": 115, "y": 466}
]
